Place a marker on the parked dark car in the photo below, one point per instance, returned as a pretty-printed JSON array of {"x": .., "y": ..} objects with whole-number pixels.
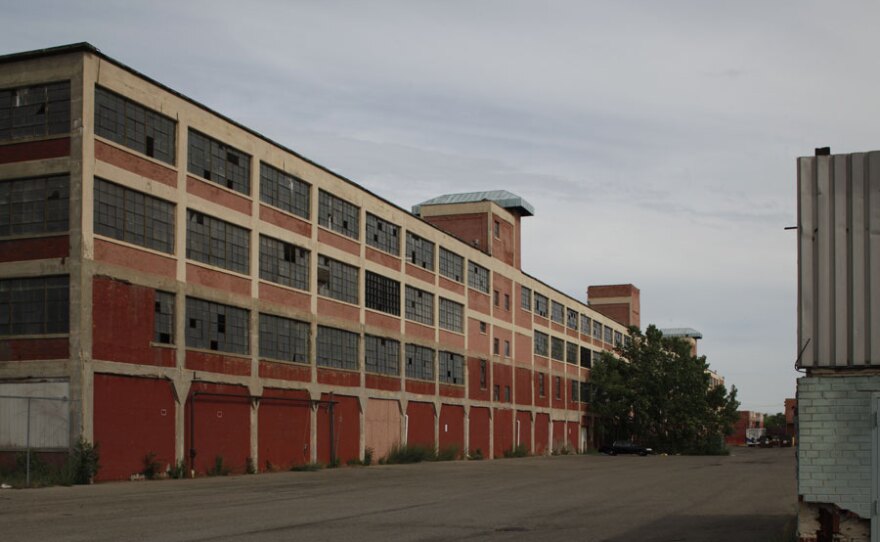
[{"x": 624, "y": 447}]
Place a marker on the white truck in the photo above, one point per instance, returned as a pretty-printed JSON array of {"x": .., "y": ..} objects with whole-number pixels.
[{"x": 754, "y": 435}]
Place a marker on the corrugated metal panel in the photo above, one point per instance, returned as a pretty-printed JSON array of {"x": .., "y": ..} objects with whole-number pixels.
[
  {"x": 839, "y": 260},
  {"x": 505, "y": 199}
]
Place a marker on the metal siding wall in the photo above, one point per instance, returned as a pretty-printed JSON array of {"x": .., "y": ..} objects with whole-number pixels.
[
  {"x": 857, "y": 310},
  {"x": 806, "y": 260},
  {"x": 839, "y": 321},
  {"x": 49, "y": 422},
  {"x": 839, "y": 260}
]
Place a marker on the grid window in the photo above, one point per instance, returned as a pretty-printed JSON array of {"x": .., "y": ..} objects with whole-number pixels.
[
  {"x": 34, "y": 306},
  {"x": 284, "y": 339},
  {"x": 382, "y": 294},
  {"x": 557, "y": 387},
  {"x": 130, "y": 124},
  {"x": 571, "y": 319},
  {"x": 597, "y": 330},
  {"x": 451, "y": 368},
  {"x": 541, "y": 389},
  {"x": 284, "y": 263},
  {"x": 618, "y": 338},
  {"x": 557, "y": 349},
  {"x": 163, "y": 318},
  {"x": 419, "y": 306},
  {"x": 383, "y": 235},
  {"x": 214, "y": 326},
  {"x": 496, "y": 346},
  {"x": 496, "y": 392},
  {"x": 586, "y": 357},
  {"x": 284, "y": 191},
  {"x": 35, "y": 205},
  {"x": 507, "y": 394},
  {"x": 381, "y": 355},
  {"x": 575, "y": 387},
  {"x": 133, "y": 217},
  {"x": 451, "y": 265},
  {"x": 495, "y": 297},
  {"x": 483, "y": 328},
  {"x": 478, "y": 277},
  {"x": 338, "y": 215},
  {"x": 571, "y": 353},
  {"x": 35, "y": 111},
  {"x": 585, "y": 324},
  {"x": 557, "y": 312},
  {"x": 525, "y": 298},
  {"x": 585, "y": 392},
  {"x": 507, "y": 302},
  {"x": 484, "y": 373},
  {"x": 216, "y": 242},
  {"x": 337, "y": 280},
  {"x": 541, "y": 303},
  {"x": 219, "y": 163},
  {"x": 451, "y": 315},
  {"x": 542, "y": 347},
  {"x": 419, "y": 251},
  {"x": 608, "y": 335},
  {"x": 337, "y": 348},
  {"x": 419, "y": 362},
  {"x": 506, "y": 348}
]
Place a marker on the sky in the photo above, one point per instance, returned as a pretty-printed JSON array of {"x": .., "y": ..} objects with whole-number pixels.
[{"x": 656, "y": 140}]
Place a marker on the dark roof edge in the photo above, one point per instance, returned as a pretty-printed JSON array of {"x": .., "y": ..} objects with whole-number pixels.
[{"x": 82, "y": 46}]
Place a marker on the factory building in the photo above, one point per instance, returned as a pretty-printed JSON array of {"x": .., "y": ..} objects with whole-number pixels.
[{"x": 176, "y": 284}]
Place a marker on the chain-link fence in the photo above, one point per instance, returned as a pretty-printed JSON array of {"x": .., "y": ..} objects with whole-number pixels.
[{"x": 32, "y": 424}]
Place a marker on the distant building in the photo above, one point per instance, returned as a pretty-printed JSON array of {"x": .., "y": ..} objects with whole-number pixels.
[
  {"x": 747, "y": 420},
  {"x": 687, "y": 334}
]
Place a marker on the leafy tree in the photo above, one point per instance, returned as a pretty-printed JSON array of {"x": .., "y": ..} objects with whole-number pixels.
[
  {"x": 653, "y": 390},
  {"x": 776, "y": 424}
]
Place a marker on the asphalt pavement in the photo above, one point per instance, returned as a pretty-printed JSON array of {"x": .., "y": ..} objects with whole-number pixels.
[{"x": 748, "y": 496}]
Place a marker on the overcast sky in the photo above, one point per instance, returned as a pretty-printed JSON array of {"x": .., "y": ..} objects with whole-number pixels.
[{"x": 656, "y": 140}]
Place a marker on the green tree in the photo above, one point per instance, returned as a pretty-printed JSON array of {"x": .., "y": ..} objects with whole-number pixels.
[{"x": 653, "y": 390}]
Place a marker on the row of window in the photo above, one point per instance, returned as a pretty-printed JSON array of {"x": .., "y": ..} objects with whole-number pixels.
[
  {"x": 561, "y": 350},
  {"x": 569, "y": 317},
  {"x": 40, "y": 205}
]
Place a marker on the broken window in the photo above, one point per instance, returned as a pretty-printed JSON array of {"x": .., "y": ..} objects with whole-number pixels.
[
  {"x": 478, "y": 277},
  {"x": 571, "y": 319},
  {"x": 451, "y": 265},
  {"x": 451, "y": 315},
  {"x": 34, "y": 205},
  {"x": 381, "y": 355},
  {"x": 541, "y": 344},
  {"x": 586, "y": 357},
  {"x": 133, "y": 217},
  {"x": 163, "y": 318},
  {"x": 419, "y": 306},
  {"x": 419, "y": 362},
  {"x": 557, "y": 349},
  {"x": 525, "y": 298},
  {"x": 284, "y": 191},
  {"x": 337, "y": 348},
  {"x": 284, "y": 339},
  {"x": 337, "y": 280},
  {"x": 35, "y": 111},
  {"x": 217, "y": 242},
  {"x": 541, "y": 302},
  {"x": 338, "y": 215},
  {"x": 585, "y": 324},
  {"x": 597, "y": 329},
  {"x": 557, "y": 311},
  {"x": 219, "y": 163},
  {"x": 451, "y": 368},
  {"x": 134, "y": 126},
  {"x": 284, "y": 263},
  {"x": 419, "y": 251},
  {"x": 383, "y": 235},
  {"x": 214, "y": 326},
  {"x": 571, "y": 353}
]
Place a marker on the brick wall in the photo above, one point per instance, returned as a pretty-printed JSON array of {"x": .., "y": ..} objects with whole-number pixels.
[{"x": 834, "y": 451}]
